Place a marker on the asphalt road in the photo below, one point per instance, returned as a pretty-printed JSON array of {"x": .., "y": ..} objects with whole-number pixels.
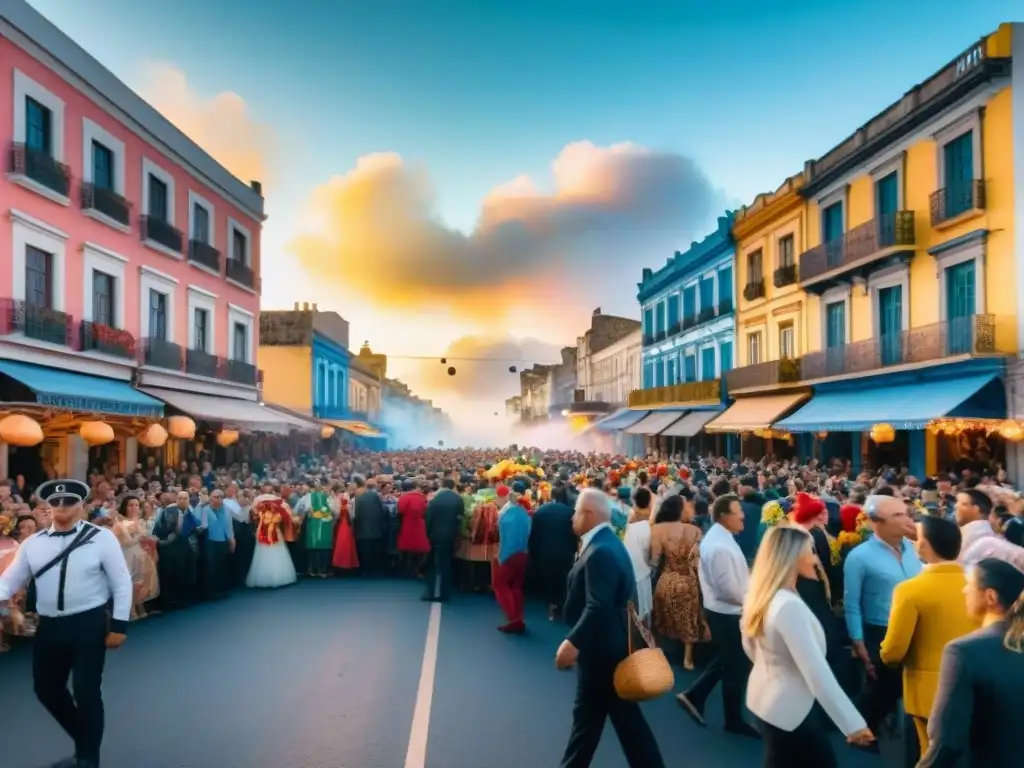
[{"x": 344, "y": 674}]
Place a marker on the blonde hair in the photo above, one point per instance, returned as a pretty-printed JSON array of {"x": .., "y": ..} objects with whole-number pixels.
[
  {"x": 1014, "y": 638},
  {"x": 774, "y": 565}
]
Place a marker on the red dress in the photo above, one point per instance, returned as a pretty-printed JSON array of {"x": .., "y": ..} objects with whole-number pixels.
[
  {"x": 345, "y": 557},
  {"x": 412, "y": 535}
]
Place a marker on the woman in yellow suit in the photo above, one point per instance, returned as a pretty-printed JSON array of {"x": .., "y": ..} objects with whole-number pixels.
[{"x": 927, "y": 612}]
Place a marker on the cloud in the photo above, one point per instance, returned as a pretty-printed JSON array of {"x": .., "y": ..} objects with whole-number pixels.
[
  {"x": 481, "y": 369},
  {"x": 380, "y": 234},
  {"x": 220, "y": 124}
]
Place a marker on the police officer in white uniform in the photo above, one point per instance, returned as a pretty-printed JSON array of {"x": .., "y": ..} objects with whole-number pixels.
[{"x": 78, "y": 569}]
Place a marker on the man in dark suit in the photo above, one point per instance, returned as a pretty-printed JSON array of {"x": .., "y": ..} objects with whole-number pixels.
[
  {"x": 601, "y": 585},
  {"x": 553, "y": 547},
  {"x": 370, "y": 527},
  {"x": 444, "y": 520}
]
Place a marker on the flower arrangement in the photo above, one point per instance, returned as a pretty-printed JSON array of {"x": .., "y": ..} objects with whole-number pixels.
[
  {"x": 772, "y": 513},
  {"x": 7, "y": 524}
]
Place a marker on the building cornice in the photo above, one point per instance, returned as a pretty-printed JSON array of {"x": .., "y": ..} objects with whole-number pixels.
[{"x": 768, "y": 207}]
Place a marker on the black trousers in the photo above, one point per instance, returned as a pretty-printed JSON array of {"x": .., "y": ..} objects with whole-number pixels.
[
  {"x": 245, "y": 546},
  {"x": 883, "y": 692},
  {"x": 807, "y": 746},
  {"x": 216, "y": 568},
  {"x": 373, "y": 556},
  {"x": 73, "y": 647},
  {"x": 438, "y": 584},
  {"x": 730, "y": 666},
  {"x": 553, "y": 574},
  {"x": 596, "y": 701}
]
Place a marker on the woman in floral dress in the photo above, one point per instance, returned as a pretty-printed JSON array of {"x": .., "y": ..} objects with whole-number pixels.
[
  {"x": 139, "y": 552},
  {"x": 677, "y": 607}
]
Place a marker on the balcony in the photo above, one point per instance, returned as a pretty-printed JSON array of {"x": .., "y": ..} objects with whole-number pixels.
[
  {"x": 94, "y": 337},
  {"x": 203, "y": 253},
  {"x": 725, "y": 306},
  {"x": 974, "y": 335},
  {"x": 784, "y": 275},
  {"x": 162, "y": 233},
  {"x": 767, "y": 374},
  {"x": 199, "y": 362},
  {"x": 660, "y": 336},
  {"x": 241, "y": 372},
  {"x": 41, "y": 168},
  {"x": 648, "y": 339},
  {"x": 859, "y": 249},
  {"x": 957, "y": 199},
  {"x": 689, "y": 321},
  {"x": 707, "y": 313},
  {"x": 39, "y": 323},
  {"x": 161, "y": 353},
  {"x": 107, "y": 202},
  {"x": 674, "y": 329},
  {"x": 690, "y": 392},
  {"x": 241, "y": 273},
  {"x": 754, "y": 290}
]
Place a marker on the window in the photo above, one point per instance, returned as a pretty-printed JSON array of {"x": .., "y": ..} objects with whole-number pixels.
[
  {"x": 690, "y": 366},
  {"x": 753, "y": 348},
  {"x": 707, "y": 293},
  {"x": 725, "y": 285},
  {"x": 835, "y": 324},
  {"x": 661, "y": 317},
  {"x": 786, "y": 255},
  {"x": 102, "y": 166},
  {"x": 958, "y": 169},
  {"x": 887, "y": 197},
  {"x": 241, "y": 332},
  {"x": 158, "y": 199},
  {"x": 200, "y": 223},
  {"x": 103, "y": 299},
  {"x": 201, "y": 320},
  {"x": 648, "y": 374},
  {"x": 239, "y": 246},
  {"x": 690, "y": 302},
  {"x": 961, "y": 303},
  {"x": 832, "y": 223},
  {"x": 707, "y": 364},
  {"x": 157, "y": 315},
  {"x": 673, "y": 310},
  {"x": 725, "y": 357},
  {"x": 38, "y": 127},
  {"x": 648, "y": 322},
  {"x": 754, "y": 273},
  {"x": 672, "y": 375},
  {"x": 890, "y": 324},
  {"x": 38, "y": 278},
  {"x": 787, "y": 342},
  {"x": 659, "y": 373}
]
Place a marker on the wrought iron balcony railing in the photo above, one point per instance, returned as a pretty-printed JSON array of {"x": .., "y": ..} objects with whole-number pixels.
[
  {"x": 199, "y": 362},
  {"x": 767, "y": 374},
  {"x": 648, "y": 339},
  {"x": 107, "y": 202},
  {"x": 706, "y": 313},
  {"x": 95, "y": 337},
  {"x": 241, "y": 273},
  {"x": 754, "y": 289},
  {"x": 689, "y": 321},
  {"x": 857, "y": 247},
  {"x": 241, "y": 372},
  {"x": 784, "y": 275},
  {"x": 161, "y": 353},
  {"x": 955, "y": 199},
  {"x": 205, "y": 254},
  {"x": 161, "y": 232},
  {"x": 35, "y": 322},
  {"x": 41, "y": 168},
  {"x": 725, "y": 306},
  {"x": 674, "y": 329}
]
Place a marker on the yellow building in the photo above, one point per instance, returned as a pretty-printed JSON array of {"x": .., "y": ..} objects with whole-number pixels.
[{"x": 909, "y": 268}]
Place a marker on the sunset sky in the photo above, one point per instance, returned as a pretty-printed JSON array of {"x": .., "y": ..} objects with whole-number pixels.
[{"x": 495, "y": 170}]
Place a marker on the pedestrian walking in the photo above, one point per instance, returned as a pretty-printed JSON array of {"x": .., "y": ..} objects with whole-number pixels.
[{"x": 78, "y": 569}]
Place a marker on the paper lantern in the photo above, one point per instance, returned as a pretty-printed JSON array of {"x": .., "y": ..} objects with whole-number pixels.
[
  {"x": 227, "y": 437},
  {"x": 821, "y": 435},
  {"x": 181, "y": 427},
  {"x": 326, "y": 432},
  {"x": 153, "y": 436},
  {"x": 96, "y": 432},
  {"x": 20, "y": 431},
  {"x": 882, "y": 433},
  {"x": 1011, "y": 430}
]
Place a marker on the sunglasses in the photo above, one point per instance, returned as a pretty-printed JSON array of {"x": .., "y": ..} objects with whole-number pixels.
[{"x": 65, "y": 501}]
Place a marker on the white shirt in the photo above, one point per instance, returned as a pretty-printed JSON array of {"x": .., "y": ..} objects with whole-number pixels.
[
  {"x": 95, "y": 572},
  {"x": 588, "y": 537},
  {"x": 790, "y": 671},
  {"x": 235, "y": 510},
  {"x": 638, "y": 544},
  {"x": 724, "y": 574},
  {"x": 971, "y": 532}
]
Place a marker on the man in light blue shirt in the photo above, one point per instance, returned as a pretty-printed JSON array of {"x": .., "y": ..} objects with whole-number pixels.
[
  {"x": 871, "y": 573},
  {"x": 508, "y": 570},
  {"x": 218, "y": 547}
]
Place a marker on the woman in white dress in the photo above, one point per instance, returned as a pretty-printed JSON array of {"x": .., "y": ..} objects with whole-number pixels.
[
  {"x": 638, "y": 545},
  {"x": 786, "y": 643},
  {"x": 272, "y": 564}
]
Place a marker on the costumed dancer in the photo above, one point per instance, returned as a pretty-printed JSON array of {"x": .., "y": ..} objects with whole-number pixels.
[
  {"x": 320, "y": 519},
  {"x": 345, "y": 556},
  {"x": 272, "y": 564},
  {"x": 78, "y": 568}
]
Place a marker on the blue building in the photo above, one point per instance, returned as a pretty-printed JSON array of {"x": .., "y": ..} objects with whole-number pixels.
[{"x": 330, "y": 378}]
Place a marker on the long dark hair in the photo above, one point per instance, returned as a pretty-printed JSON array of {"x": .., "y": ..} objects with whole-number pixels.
[{"x": 1008, "y": 584}]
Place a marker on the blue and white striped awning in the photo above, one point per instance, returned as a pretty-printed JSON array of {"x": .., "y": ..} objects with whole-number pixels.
[{"x": 621, "y": 419}]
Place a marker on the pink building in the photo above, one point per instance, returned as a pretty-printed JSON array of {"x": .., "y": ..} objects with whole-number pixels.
[{"x": 129, "y": 258}]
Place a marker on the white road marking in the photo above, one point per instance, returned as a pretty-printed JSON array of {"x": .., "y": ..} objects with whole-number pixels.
[{"x": 416, "y": 756}]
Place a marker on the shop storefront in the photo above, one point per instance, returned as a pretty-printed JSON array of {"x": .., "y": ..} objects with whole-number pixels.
[{"x": 752, "y": 418}]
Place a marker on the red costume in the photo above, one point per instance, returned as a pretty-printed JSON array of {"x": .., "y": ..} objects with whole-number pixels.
[
  {"x": 345, "y": 557},
  {"x": 412, "y": 533}
]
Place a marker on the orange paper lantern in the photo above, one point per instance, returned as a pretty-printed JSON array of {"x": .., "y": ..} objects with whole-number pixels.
[
  {"x": 96, "y": 432},
  {"x": 227, "y": 437},
  {"x": 21, "y": 431},
  {"x": 181, "y": 427},
  {"x": 326, "y": 432},
  {"x": 153, "y": 436}
]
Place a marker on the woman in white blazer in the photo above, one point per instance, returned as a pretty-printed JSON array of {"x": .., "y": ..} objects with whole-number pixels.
[
  {"x": 638, "y": 545},
  {"x": 786, "y": 643}
]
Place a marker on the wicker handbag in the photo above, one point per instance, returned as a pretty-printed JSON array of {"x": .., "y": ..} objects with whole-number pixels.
[{"x": 644, "y": 674}]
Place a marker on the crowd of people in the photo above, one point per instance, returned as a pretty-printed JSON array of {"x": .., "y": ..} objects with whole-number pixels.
[{"x": 810, "y": 591}]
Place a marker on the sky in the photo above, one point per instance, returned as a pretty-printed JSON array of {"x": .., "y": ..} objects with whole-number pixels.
[{"x": 472, "y": 178}]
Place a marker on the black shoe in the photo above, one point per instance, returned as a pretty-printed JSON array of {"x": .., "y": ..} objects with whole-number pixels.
[
  {"x": 68, "y": 762},
  {"x": 689, "y": 707},
  {"x": 83, "y": 763},
  {"x": 743, "y": 730}
]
